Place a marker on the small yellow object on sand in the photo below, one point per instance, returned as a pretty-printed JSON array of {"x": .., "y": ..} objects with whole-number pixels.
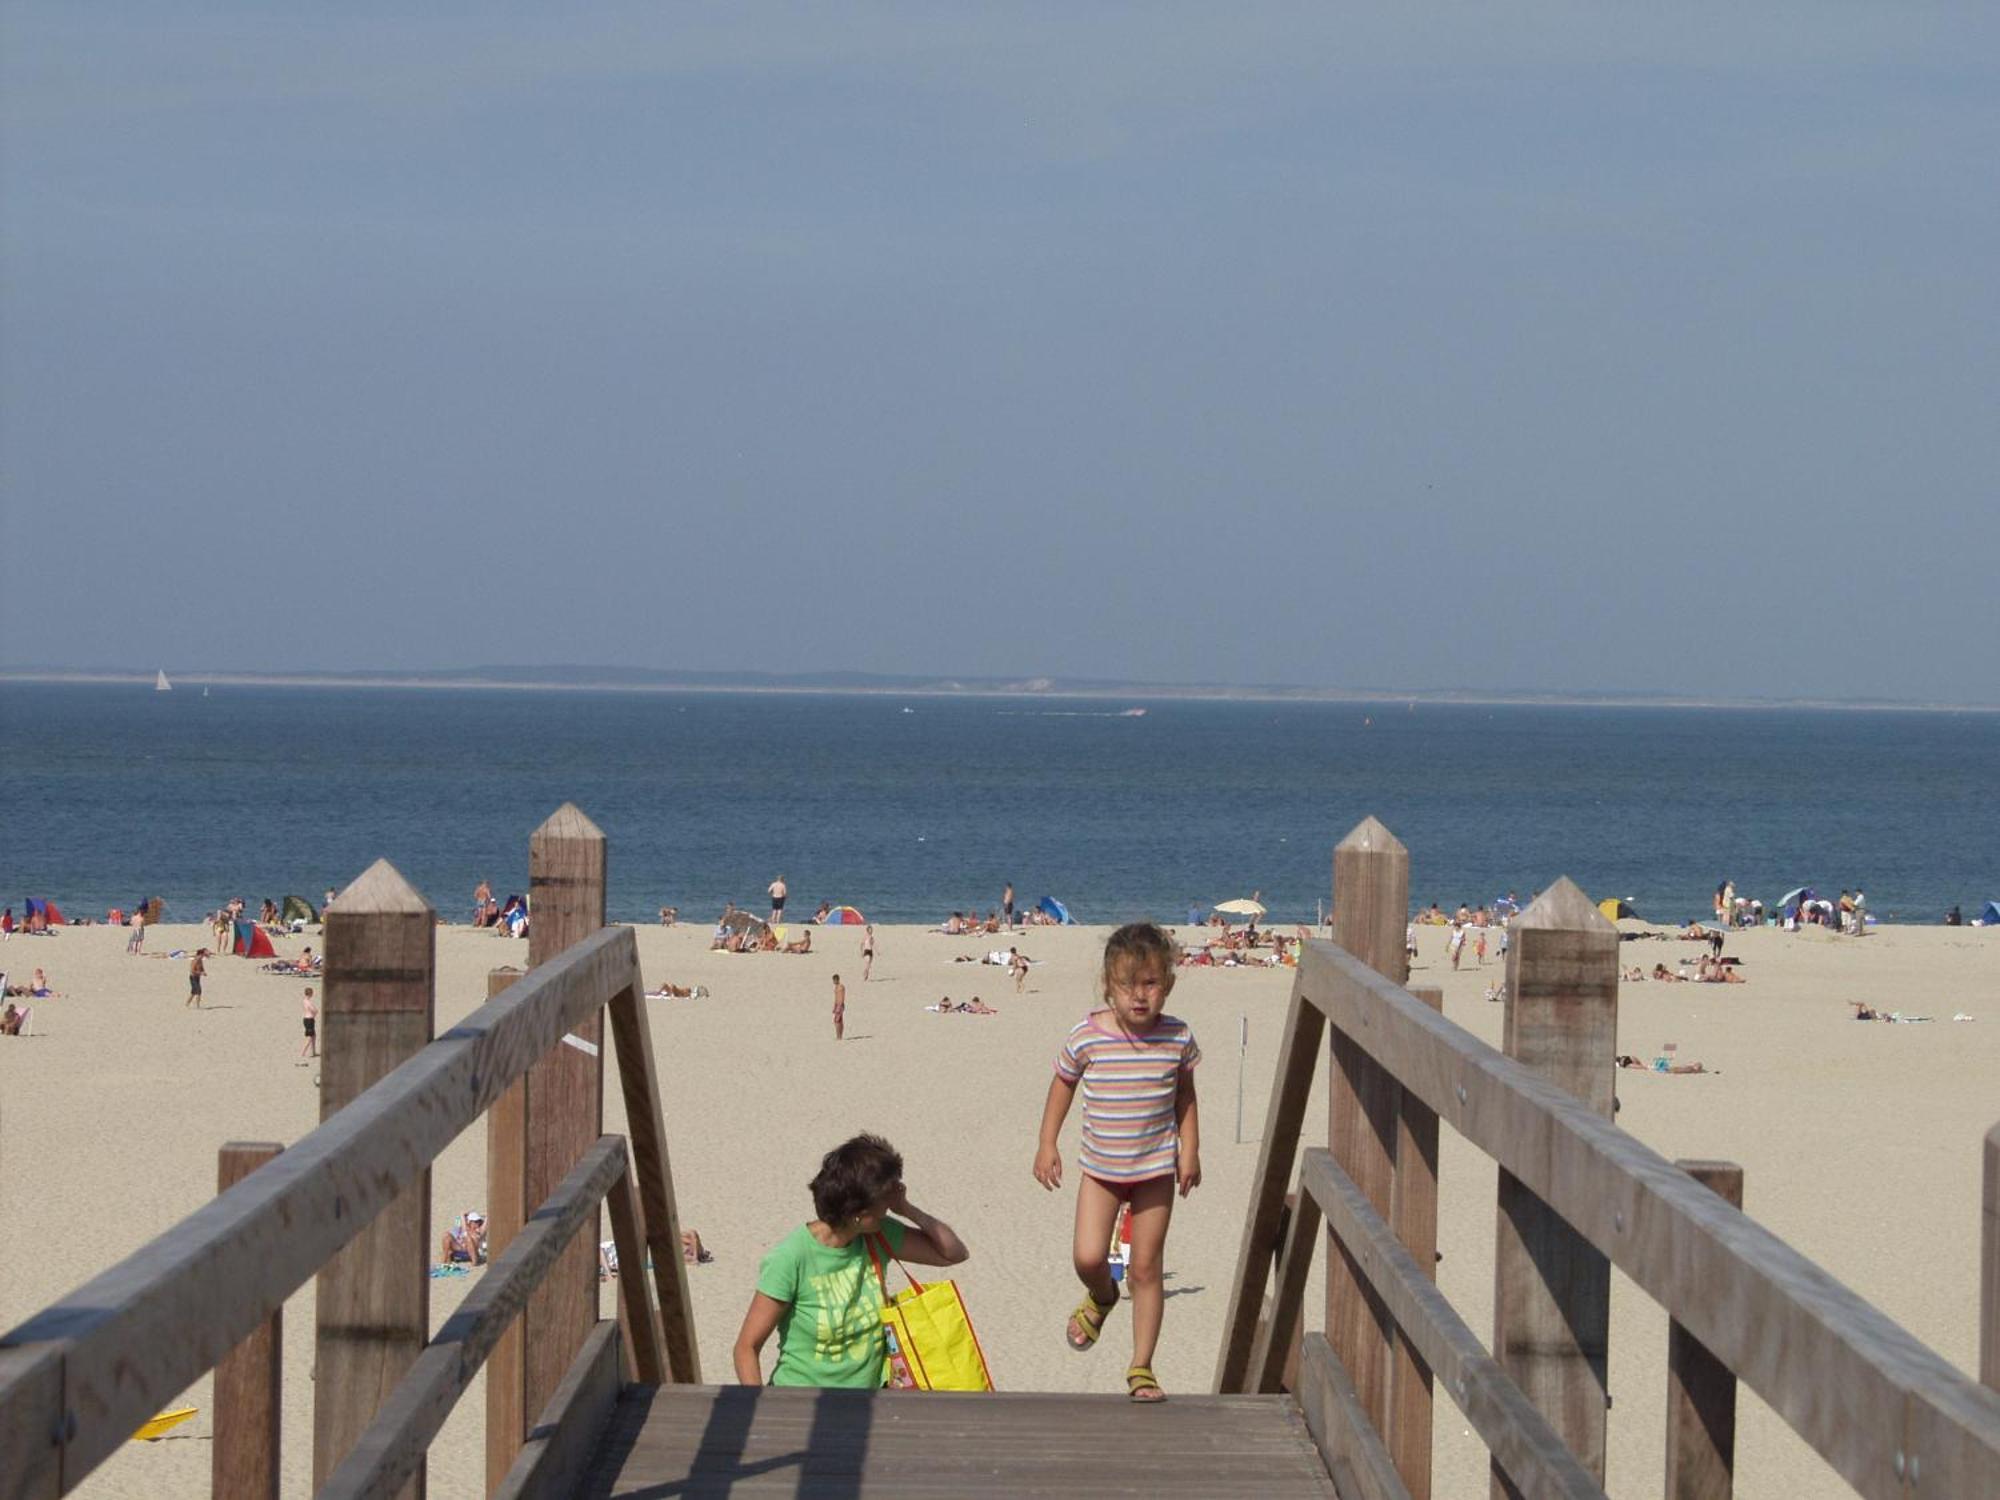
[{"x": 166, "y": 1421}]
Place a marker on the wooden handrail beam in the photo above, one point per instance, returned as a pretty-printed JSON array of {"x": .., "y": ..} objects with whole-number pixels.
[
  {"x": 1521, "y": 1439},
  {"x": 1874, "y": 1393},
  {"x": 1352, "y": 1449},
  {"x": 140, "y": 1332},
  {"x": 393, "y": 1447}
]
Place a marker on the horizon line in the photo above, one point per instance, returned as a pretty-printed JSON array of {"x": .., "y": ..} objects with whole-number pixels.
[{"x": 867, "y": 684}]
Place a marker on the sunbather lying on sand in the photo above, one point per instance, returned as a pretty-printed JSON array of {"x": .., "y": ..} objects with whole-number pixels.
[
  {"x": 1661, "y": 971},
  {"x": 678, "y": 992},
  {"x": 1660, "y": 1065}
]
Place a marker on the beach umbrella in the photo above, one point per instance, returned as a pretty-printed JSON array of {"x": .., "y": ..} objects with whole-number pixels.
[
  {"x": 298, "y": 909},
  {"x": 845, "y": 916},
  {"x": 1242, "y": 908},
  {"x": 1613, "y": 908},
  {"x": 1057, "y": 910},
  {"x": 1792, "y": 898},
  {"x": 742, "y": 921}
]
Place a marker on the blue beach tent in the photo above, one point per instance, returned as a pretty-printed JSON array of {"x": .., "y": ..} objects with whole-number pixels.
[
  {"x": 1057, "y": 910},
  {"x": 1991, "y": 916}
]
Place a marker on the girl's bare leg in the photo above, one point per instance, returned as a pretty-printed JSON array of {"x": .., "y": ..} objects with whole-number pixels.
[
  {"x": 1152, "y": 1208},
  {"x": 1096, "y": 1210}
]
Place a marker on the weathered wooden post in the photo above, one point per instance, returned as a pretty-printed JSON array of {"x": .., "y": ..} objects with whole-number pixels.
[
  {"x": 1701, "y": 1389},
  {"x": 1989, "y": 1261},
  {"x": 565, "y": 1097},
  {"x": 1413, "y": 1214},
  {"x": 373, "y": 1313},
  {"x": 249, "y": 1379},
  {"x": 1552, "y": 1288},
  {"x": 1371, "y": 905},
  {"x": 506, "y": 1216}
]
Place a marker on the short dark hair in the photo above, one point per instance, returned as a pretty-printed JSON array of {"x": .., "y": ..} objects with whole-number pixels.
[{"x": 853, "y": 1177}]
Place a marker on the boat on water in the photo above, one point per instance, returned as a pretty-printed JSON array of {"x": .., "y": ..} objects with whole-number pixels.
[
  {"x": 1133, "y": 713},
  {"x": 160, "y": 683}
]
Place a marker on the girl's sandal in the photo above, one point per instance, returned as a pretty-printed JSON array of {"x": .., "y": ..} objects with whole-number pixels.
[
  {"x": 1087, "y": 1322},
  {"x": 1142, "y": 1387}
]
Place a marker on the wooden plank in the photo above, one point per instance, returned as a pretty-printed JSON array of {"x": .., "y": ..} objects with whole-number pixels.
[
  {"x": 564, "y": 1437},
  {"x": 138, "y": 1334},
  {"x": 31, "y": 1422},
  {"x": 1849, "y": 1381},
  {"x": 1340, "y": 1427},
  {"x": 1413, "y": 1213},
  {"x": 1701, "y": 1393},
  {"x": 1989, "y": 1262},
  {"x": 1523, "y": 1443},
  {"x": 565, "y": 1094},
  {"x": 640, "y": 1318},
  {"x": 1284, "y": 1115},
  {"x": 1551, "y": 1286},
  {"x": 393, "y": 1447},
  {"x": 639, "y": 1081},
  {"x": 372, "y": 1302},
  {"x": 506, "y": 1215},
  {"x": 1277, "y": 1337},
  {"x": 754, "y": 1442},
  {"x": 249, "y": 1380},
  {"x": 1371, "y": 907}
]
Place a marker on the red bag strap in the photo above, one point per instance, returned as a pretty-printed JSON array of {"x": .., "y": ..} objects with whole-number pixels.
[{"x": 876, "y": 1260}]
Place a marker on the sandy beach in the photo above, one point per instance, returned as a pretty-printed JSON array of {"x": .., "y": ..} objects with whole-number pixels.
[{"x": 1860, "y": 1142}]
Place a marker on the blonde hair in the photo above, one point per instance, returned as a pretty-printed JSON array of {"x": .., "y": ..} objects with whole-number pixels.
[{"x": 1134, "y": 946}]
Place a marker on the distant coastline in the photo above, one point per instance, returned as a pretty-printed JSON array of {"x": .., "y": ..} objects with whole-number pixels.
[{"x": 861, "y": 684}]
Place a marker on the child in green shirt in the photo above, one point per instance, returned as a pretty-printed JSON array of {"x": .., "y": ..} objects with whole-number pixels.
[{"x": 816, "y": 1288}]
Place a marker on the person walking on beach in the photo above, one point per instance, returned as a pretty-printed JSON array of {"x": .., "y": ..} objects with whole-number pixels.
[
  {"x": 136, "y": 943},
  {"x": 482, "y": 898},
  {"x": 311, "y": 1046},
  {"x": 777, "y": 890},
  {"x": 197, "y": 966},
  {"x": 1007, "y": 906},
  {"x": 867, "y": 951},
  {"x": 839, "y": 1008},
  {"x": 1141, "y": 1137}
]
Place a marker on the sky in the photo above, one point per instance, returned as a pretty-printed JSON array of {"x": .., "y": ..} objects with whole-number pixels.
[{"x": 1554, "y": 347}]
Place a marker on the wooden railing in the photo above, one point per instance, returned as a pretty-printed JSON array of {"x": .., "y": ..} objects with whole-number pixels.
[
  {"x": 1577, "y": 1196},
  {"x": 350, "y": 1203}
]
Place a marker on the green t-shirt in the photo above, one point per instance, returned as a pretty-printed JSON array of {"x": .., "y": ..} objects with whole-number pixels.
[{"x": 831, "y": 1330}]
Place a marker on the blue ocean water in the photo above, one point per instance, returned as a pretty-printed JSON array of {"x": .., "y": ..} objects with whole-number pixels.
[{"x": 912, "y": 807}]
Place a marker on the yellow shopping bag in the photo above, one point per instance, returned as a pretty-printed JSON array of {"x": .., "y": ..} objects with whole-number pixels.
[{"x": 931, "y": 1345}]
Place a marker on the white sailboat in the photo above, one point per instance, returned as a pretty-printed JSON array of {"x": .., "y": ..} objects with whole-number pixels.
[{"x": 160, "y": 683}]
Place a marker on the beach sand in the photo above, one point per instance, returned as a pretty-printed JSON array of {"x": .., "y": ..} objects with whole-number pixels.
[{"x": 1861, "y": 1142}]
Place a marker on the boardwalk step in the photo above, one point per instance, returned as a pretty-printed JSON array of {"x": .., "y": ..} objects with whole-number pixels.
[{"x": 696, "y": 1442}]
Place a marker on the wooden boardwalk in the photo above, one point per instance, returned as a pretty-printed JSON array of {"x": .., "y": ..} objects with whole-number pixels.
[{"x": 699, "y": 1442}]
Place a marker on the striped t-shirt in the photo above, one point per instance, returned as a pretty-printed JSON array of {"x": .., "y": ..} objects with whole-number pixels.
[{"x": 1129, "y": 1084}]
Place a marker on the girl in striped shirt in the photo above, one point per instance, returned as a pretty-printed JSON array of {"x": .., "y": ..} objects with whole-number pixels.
[{"x": 1141, "y": 1137}]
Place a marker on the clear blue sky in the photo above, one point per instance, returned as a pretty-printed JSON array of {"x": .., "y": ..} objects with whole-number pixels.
[{"x": 1540, "y": 347}]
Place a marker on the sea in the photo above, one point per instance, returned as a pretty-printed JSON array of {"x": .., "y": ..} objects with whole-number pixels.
[{"x": 911, "y": 807}]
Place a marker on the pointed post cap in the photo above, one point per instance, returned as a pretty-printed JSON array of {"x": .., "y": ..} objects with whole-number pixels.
[
  {"x": 1371, "y": 836},
  {"x": 568, "y": 822},
  {"x": 1565, "y": 906},
  {"x": 380, "y": 888}
]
